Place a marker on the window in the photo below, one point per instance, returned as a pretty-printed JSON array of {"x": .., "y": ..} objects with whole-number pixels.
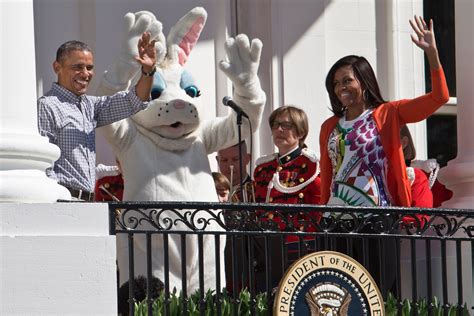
[
  {"x": 441, "y": 126},
  {"x": 442, "y": 140},
  {"x": 442, "y": 13}
]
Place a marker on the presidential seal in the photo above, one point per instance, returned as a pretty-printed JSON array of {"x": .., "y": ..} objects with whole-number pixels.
[{"x": 328, "y": 283}]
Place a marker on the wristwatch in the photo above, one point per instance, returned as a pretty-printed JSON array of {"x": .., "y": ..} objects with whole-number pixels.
[{"x": 149, "y": 74}]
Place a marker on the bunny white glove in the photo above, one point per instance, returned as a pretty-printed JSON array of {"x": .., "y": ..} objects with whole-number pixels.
[
  {"x": 125, "y": 67},
  {"x": 106, "y": 171},
  {"x": 242, "y": 65}
]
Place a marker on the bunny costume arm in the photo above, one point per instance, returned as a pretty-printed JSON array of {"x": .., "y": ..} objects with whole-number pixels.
[
  {"x": 125, "y": 69},
  {"x": 241, "y": 68}
]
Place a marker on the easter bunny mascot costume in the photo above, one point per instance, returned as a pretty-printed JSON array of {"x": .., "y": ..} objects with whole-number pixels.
[{"x": 164, "y": 149}]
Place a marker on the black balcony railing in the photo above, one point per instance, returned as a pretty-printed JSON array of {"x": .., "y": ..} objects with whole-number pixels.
[{"x": 408, "y": 255}]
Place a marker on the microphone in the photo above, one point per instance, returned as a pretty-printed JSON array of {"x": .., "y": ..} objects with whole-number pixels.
[{"x": 227, "y": 101}]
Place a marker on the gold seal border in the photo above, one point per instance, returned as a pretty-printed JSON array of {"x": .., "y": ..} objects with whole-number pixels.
[{"x": 315, "y": 261}]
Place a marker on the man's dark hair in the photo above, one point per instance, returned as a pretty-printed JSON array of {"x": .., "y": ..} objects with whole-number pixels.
[
  {"x": 70, "y": 46},
  {"x": 366, "y": 76}
]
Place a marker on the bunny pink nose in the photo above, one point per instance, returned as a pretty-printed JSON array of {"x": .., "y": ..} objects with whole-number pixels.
[{"x": 179, "y": 104}]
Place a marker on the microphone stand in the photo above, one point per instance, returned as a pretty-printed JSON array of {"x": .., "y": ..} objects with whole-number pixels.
[
  {"x": 239, "y": 130},
  {"x": 246, "y": 239}
]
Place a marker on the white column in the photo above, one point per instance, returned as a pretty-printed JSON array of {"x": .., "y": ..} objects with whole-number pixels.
[
  {"x": 400, "y": 67},
  {"x": 24, "y": 154},
  {"x": 458, "y": 175}
]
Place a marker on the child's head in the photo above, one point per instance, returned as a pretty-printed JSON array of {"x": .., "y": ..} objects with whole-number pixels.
[
  {"x": 408, "y": 147},
  {"x": 222, "y": 186}
]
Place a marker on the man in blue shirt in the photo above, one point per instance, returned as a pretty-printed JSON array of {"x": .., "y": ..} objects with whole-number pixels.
[{"x": 68, "y": 117}]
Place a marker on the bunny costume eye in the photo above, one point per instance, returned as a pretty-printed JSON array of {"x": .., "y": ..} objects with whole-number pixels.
[
  {"x": 156, "y": 93},
  {"x": 158, "y": 87},
  {"x": 189, "y": 86},
  {"x": 192, "y": 91}
]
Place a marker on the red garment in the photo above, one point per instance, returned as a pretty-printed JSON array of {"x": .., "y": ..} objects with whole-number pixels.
[
  {"x": 389, "y": 118},
  {"x": 431, "y": 167},
  {"x": 421, "y": 195},
  {"x": 440, "y": 193},
  {"x": 111, "y": 184},
  {"x": 299, "y": 168}
]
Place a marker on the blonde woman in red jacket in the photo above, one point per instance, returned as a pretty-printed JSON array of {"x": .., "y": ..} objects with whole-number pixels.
[{"x": 361, "y": 156}]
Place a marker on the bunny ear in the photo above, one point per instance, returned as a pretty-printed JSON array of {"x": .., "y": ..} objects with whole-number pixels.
[{"x": 185, "y": 33}]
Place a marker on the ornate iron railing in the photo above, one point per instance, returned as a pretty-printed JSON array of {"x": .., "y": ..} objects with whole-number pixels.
[{"x": 258, "y": 233}]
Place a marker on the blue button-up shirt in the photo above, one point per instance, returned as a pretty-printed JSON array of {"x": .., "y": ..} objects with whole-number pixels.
[{"x": 69, "y": 121}]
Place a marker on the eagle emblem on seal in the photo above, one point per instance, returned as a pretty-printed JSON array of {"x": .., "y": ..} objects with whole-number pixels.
[{"x": 328, "y": 299}]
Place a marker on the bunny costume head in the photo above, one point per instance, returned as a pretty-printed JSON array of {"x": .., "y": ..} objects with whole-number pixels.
[{"x": 174, "y": 111}]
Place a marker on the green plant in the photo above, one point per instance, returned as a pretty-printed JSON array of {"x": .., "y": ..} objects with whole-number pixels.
[
  {"x": 242, "y": 305},
  {"x": 391, "y": 307}
]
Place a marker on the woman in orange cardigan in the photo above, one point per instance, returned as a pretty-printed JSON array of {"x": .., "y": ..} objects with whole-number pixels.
[
  {"x": 362, "y": 160},
  {"x": 361, "y": 156}
]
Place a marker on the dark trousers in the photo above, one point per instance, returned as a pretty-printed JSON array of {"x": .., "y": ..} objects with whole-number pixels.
[
  {"x": 378, "y": 255},
  {"x": 259, "y": 262}
]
